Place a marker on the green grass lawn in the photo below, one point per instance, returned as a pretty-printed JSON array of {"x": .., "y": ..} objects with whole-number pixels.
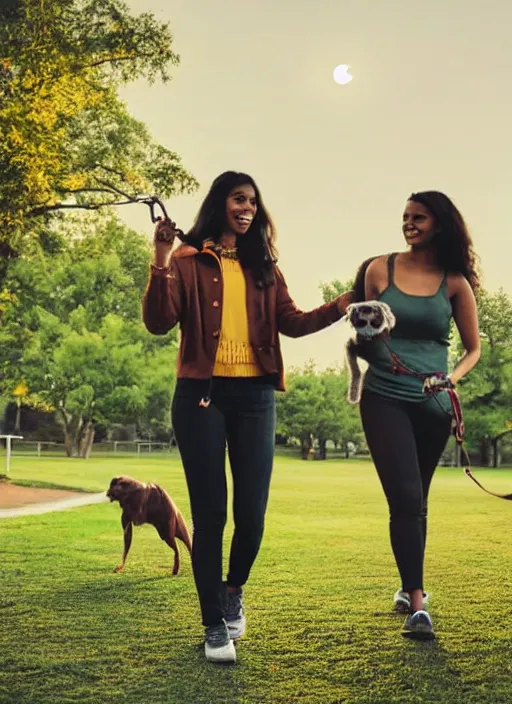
[{"x": 320, "y": 625}]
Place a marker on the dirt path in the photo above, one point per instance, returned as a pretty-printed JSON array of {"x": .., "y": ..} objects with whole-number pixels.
[{"x": 24, "y": 501}]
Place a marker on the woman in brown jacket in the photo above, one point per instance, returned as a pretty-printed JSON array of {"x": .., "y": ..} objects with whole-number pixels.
[{"x": 231, "y": 302}]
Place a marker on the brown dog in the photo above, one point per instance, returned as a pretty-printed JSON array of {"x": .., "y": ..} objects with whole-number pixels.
[{"x": 148, "y": 503}]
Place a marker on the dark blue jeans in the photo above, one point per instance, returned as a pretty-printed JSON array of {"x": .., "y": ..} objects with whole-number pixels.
[
  {"x": 406, "y": 441},
  {"x": 242, "y": 417}
]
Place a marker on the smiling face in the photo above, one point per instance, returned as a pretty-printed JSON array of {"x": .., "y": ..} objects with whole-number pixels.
[
  {"x": 418, "y": 225},
  {"x": 241, "y": 207}
]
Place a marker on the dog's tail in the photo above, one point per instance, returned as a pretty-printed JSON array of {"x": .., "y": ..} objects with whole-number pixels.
[
  {"x": 182, "y": 531},
  {"x": 178, "y": 525}
]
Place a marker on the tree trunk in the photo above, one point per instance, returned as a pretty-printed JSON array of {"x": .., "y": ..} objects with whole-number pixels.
[
  {"x": 322, "y": 450},
  {"x": 68, "y": 443},
  {"x": 486, "y": 452},
  {"x": 17, "y": 422},
  {"x": 68, "y": 433},
  {"x": 305, "y": 447},
  {"x": 73, "y": 432},
  {"x": 496, "y": 453},
  {"x": 87, "y": 440}
]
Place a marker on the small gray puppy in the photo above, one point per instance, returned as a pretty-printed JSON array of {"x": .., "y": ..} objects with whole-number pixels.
[{"x": 369, "y": 321}]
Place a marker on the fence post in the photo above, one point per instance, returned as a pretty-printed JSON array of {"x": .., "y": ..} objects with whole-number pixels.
[{"x": 8, "y": 439}]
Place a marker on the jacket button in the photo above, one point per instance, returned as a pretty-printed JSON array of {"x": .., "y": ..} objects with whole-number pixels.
[
  {"x": 259, "y": 349},
  {"x": 215, "y": 280},
  {"x": 216, "y": 304},
  {"x": 216, "y": 333}
]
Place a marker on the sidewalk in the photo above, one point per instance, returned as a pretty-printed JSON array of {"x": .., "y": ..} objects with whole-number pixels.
[{"x": 47, "y": 507}]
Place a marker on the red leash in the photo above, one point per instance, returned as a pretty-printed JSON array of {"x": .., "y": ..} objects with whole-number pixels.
[{"x": 459, "y": 428}]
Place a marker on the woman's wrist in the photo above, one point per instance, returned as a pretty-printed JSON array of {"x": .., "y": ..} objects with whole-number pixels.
[{"x": 161, "y": 258}]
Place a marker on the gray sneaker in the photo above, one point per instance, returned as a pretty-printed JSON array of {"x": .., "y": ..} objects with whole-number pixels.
[
  {"x": 218, "y": 646},
  {"x": 418, "y": 626},
  {"x": 234, "y": 612},
  {"x": 402, "y": 602}
]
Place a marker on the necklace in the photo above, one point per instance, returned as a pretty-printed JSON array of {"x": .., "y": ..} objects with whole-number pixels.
[{"x": 226, "y": 252}]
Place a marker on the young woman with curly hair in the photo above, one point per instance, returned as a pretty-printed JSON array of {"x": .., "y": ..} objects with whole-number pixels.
[
  {"x": 231, "y": 302},
  {"x": 426, "y": 286}
]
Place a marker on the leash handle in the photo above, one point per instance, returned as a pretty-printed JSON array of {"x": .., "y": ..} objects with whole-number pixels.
[{"x": 154, "y": 201}]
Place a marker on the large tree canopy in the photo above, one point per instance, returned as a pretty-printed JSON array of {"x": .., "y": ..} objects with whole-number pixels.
[{"x": 67, "y": 139}]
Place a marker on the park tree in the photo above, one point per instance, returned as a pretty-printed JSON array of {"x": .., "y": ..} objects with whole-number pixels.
[
  {"x": 345, "y": 423},
  {"x": 299, "y": 406},
  {"x": 68, "y": 141},
  {"x": 332, "y": 289},
  {"x": 486, "y": 392},
  {"x": 315, "y": 408},
  {"x": 83, "y": 350}
]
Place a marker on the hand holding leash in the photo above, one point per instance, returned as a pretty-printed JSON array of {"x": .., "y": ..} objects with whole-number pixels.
[
  {"x": 166, "y": 231},
  {"x": 163, "y": 240},
  {"x": 436, "y": 383}
]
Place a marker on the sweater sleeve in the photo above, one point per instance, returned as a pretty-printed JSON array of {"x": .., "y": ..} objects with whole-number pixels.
[
  {"x": 296, "y": 323},
  {"x": 162, "y": 304}
]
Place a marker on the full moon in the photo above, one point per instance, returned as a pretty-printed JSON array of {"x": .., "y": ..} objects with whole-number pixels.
[{"x": 341, "y": 74}]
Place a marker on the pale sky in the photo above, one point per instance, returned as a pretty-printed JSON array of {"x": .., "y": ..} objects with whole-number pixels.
[{"x": 429, "y": 107}]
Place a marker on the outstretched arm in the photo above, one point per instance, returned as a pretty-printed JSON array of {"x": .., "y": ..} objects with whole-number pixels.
[{"x": 294, "y": 322}]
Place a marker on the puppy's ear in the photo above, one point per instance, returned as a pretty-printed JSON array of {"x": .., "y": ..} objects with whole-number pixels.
[
  {"x": 350, "y": 309},
  {"x": 389, "y": 316}
]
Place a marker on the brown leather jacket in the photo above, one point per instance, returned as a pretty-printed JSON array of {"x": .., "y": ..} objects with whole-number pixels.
[{"x": 190, "y": 293}]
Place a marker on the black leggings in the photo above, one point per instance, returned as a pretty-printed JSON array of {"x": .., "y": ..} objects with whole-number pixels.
[
  {"x": 241, "y": 415},
  {"x": 406, "y": 441}
]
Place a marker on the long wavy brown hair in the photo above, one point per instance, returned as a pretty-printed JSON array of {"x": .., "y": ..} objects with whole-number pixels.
[
  {"x": 256, "y": 249},
  {"x": 453, "y": 243}
]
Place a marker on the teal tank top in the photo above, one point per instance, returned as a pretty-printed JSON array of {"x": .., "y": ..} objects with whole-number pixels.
[{"x": 420, "y": 339}]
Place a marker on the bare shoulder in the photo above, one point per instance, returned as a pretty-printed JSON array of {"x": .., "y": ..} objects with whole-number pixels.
[
  {"x": 378, "y": 266},
  {"x": 376, "y": 279},
  {"x": 458, "y": 285}
]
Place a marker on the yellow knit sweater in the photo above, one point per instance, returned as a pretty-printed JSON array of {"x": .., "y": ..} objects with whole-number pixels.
[{"x": 235, "y": 356}]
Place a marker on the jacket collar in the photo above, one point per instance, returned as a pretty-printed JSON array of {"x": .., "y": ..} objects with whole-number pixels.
[{"x": 186, "y": 250}]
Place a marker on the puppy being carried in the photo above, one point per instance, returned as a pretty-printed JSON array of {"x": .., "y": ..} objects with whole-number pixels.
[
  {"x": 370, "y": 320},
  {"x": 148, "y": 503}
]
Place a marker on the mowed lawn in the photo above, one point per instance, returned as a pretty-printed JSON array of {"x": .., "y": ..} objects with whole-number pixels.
[{"x": 320, "y": 625}]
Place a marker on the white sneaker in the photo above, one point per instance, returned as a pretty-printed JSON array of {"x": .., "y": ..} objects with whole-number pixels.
[
  {"x": 402, "y": 601},
  {"x": 218, "y": 646}
]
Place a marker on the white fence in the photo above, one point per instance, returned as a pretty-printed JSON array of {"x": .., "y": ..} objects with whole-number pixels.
[{"x": 44, "y": 448}]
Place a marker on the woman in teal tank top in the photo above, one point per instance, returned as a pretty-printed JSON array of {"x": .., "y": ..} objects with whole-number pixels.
[{"x": 406, "y": 430}]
